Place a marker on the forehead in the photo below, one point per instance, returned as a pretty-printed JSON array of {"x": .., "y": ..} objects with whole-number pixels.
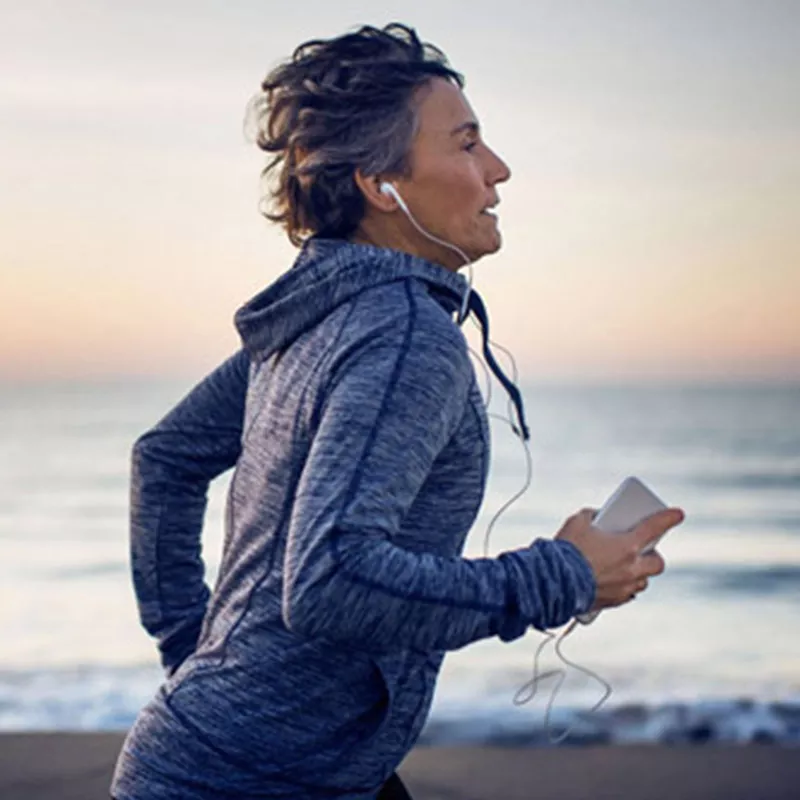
[{"x": 442, "y": 107}]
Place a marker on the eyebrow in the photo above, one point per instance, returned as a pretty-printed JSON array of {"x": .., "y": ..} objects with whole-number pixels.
[{"x": 471, "y": 126}]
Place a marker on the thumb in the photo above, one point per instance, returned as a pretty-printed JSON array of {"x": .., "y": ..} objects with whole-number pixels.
[{"x": 656, "y": 525}]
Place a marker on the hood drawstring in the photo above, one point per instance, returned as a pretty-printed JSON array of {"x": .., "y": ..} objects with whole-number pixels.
[{"x": 475, "y": 304}]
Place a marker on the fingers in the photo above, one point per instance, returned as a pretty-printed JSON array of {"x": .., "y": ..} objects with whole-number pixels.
[
  {"x": 622, "y": 593},
  {"x": 636, "y": 589},
  {"x": 651, "y": 564},
  {"x": 656, "y": 525},
  {"x": 577, "y": 524}
]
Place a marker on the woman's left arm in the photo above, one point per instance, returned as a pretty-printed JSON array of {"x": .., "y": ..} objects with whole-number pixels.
[
  {"x": 172, "y": 467},
  {"x": 390, "y": 409}
]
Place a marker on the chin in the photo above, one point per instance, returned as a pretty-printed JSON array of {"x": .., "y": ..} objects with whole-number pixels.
[
  {"x": 486, "y": 248},
  {"x": 496, "y": 245}
]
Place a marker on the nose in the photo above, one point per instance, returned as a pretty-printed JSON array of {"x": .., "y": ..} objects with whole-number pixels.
[{"x": 497, "y": 171}]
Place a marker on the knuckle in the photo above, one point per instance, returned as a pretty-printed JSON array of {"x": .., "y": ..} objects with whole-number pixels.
[
  {"x": 654, "y": 564},
  {"x": 581, "y": 517}
]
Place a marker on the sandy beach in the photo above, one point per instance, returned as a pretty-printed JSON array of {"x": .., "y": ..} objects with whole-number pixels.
[{"x": 78, "y": 766}]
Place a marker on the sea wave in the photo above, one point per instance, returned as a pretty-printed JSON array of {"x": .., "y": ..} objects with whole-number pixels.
[
  {"x": 789, "y": 480},
  {"x": 760, "y": 580},
  {"x": 735, "y": 721},
  {"x": 109, "y": 698}
]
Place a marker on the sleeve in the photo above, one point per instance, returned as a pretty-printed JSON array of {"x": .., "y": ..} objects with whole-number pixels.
[
  {"x": 384, "y": 422},
  {"x": 172, "y": 467}
]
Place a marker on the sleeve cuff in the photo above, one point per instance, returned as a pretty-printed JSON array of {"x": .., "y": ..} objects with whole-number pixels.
[{"x": 586, "y": 583}]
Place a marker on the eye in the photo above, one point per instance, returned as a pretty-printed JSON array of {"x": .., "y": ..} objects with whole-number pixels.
[{"x": 469, "y": 146}]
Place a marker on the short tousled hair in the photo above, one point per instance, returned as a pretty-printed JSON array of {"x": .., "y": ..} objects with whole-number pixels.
[{"x": 335, "y": 106}]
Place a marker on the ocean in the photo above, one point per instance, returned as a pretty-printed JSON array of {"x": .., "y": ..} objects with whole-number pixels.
[{"x": 710, "y": 652}]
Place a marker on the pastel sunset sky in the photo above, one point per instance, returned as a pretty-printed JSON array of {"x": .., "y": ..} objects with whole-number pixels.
[{"x": 651, "y": 226}]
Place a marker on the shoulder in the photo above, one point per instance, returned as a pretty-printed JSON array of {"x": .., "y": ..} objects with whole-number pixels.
[
  {"x": 402, "y": 318},
  {"x": 403, "y": 311},
  {"x": 399, "y": 326}
]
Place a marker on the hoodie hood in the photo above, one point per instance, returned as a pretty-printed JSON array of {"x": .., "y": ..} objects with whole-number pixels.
[{"x": 327, "y": 273}]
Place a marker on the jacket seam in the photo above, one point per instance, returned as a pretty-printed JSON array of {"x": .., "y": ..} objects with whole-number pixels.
[
  {"x": 355, "y": 480},
  {"x": 289, "y": 498}
]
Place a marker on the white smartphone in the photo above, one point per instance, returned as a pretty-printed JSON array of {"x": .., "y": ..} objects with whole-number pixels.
[{"x": 631, "y": 503}]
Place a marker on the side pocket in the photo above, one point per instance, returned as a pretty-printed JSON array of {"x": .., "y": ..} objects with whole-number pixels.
[{"x": 410, "y": 681}]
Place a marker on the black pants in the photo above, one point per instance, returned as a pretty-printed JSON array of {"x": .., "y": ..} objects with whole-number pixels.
[{"x": 394, "y": 789}]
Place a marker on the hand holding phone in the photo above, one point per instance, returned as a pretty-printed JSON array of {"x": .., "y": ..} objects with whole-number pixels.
[{"x": 626, "y": 509}]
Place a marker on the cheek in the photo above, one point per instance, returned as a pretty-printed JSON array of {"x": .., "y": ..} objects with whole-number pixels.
[
  {"x": 450, "y": 200},
  {"x": 465, "y": 198},
  {"x": 460, "y": 184}
]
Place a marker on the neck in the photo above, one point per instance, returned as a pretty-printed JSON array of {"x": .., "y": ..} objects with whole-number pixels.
[{"x": 400, "y": 234}]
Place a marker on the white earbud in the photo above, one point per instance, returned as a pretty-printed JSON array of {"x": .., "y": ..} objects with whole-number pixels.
[{"x": 388, "y": 188}]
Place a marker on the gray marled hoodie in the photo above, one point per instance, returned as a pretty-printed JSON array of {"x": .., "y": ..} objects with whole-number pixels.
[{"x": 361, "y": 451}]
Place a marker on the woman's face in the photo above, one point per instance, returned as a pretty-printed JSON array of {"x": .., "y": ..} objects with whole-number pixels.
[{"x": 453, "y": 178}]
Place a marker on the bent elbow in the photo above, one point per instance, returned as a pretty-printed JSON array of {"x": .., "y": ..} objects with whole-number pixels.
[{"x": 141, "y": 452}]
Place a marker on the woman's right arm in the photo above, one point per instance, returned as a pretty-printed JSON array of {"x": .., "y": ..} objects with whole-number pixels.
[{"x": 172, "y": 467}]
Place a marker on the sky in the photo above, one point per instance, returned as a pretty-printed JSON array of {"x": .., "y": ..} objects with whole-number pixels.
[{"x": 651, "y": 225}]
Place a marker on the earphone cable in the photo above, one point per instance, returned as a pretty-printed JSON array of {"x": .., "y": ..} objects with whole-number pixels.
[{"x": 560, "y": 673}]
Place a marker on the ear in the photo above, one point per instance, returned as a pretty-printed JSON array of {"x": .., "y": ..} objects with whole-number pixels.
[{"x": 369, "y": 186}]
